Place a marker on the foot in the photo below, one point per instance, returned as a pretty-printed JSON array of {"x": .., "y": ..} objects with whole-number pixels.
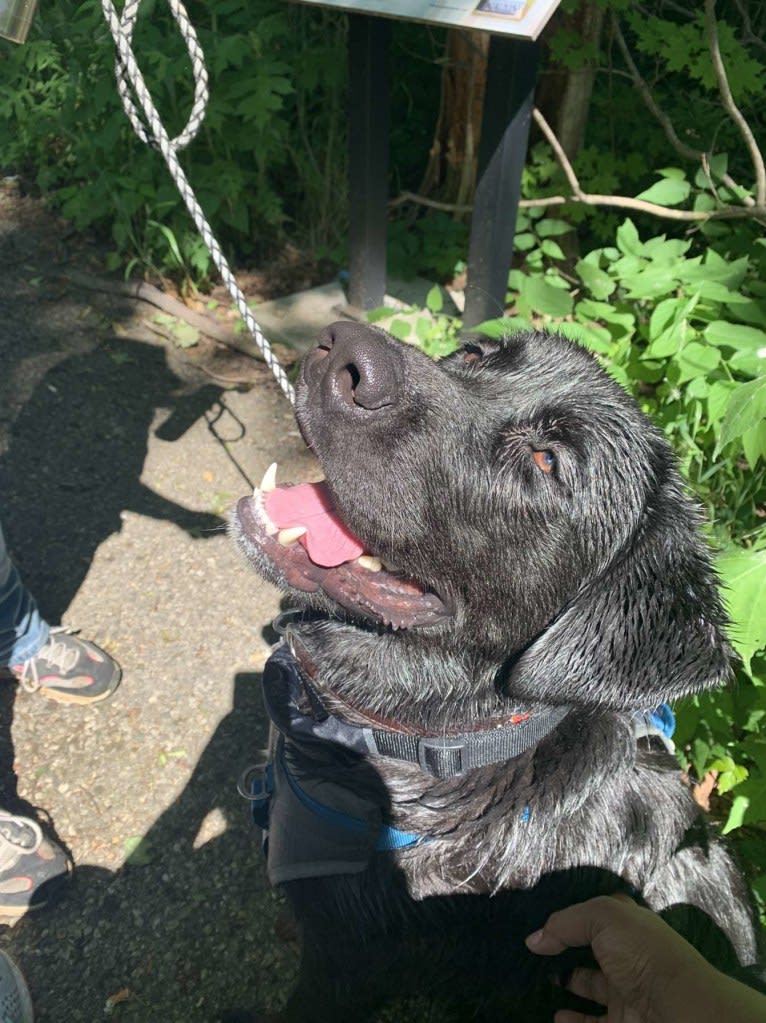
[
  {"x": 31, "y": 867},
  {"x": 69, "y": 670}
]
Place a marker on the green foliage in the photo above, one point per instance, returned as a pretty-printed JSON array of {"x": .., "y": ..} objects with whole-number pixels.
[
  {"x": 271, "y": 152},
  {"x": 431, "y": 245},
  {"x": 431, "y": 329}
]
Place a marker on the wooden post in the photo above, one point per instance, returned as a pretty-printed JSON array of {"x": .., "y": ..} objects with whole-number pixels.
[
  {"x": 508, "y": 106},
  {"x": 369, "y": 116}
]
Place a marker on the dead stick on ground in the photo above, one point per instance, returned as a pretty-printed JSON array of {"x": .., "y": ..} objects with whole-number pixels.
[{"x": 143, "y": 292}]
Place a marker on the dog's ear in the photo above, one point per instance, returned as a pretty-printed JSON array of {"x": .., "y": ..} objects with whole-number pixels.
[{"x": 650, "y": 628}]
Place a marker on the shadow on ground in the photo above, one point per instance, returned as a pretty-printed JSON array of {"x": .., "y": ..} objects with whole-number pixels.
[
  {"x": 112, "y": 488},
  {"x": 174, "y": 931},
  {"x": 74, "y": 460}
]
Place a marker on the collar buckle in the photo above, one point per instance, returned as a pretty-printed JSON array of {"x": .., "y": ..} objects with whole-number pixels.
[{"x": 442, "y": 756}]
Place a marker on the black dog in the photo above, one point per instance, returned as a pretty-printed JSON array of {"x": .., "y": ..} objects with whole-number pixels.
[{"x": 458, "y": 752}]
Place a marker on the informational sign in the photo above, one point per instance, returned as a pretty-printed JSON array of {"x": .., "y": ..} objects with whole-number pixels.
[
  {"x": 524, "y": 19},
  {"x": 15, "y": 19}
]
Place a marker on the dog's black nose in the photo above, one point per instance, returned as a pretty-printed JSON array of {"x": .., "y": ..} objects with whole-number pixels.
[{"x": 363, "y": 366}]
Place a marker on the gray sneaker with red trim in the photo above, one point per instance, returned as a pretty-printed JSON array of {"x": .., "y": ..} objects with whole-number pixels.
[
  {"x": 31, "y": 866},
  {"x": 15, "y": 1000},
  {"x": 69, "y": 670}
]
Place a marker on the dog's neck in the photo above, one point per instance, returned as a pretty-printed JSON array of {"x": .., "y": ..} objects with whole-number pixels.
[
  {"x": 414, "y": 682},
  {"x": 304, "y": 713}
]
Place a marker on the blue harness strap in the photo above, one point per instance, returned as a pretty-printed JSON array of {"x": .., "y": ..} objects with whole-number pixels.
[{"x": 389, "y": 838}]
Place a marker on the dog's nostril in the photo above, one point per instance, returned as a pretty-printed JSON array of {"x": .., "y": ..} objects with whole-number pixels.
[{"x": 353, "y": 372}]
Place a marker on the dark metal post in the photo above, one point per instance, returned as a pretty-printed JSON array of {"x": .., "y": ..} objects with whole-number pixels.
[
  {"x": 508, "y": 105},
  {"x": 369, "y": 106}
]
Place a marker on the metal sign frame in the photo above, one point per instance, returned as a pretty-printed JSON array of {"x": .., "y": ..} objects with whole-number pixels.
[{"x": 522, "y": 19}]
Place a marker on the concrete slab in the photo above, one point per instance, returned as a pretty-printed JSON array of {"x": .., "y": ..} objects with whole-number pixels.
[{"x": 296, "y": 319}]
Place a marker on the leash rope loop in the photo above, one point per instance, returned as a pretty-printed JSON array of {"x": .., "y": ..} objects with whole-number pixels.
[
  {"x": 130, "y": 79},
  {"x": 199, "y": 71}
]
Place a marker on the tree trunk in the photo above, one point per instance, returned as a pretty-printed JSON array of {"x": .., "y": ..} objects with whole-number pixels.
[
  {"x": 451, "y": 170},
  {"x": 564, "y": 93}
]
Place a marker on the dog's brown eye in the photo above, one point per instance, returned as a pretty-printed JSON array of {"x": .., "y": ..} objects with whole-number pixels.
[
  {"x": 472, "y": 353},
  {"x": 544, "y": 460}
]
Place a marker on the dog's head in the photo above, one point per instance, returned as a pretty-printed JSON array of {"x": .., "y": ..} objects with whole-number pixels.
[{"x": 523, "y": 510}]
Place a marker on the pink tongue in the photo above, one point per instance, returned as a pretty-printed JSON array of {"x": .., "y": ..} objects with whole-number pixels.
[{"x": 326, "y": 539}]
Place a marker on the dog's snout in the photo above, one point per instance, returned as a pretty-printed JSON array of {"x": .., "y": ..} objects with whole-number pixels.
[{"x": 359, "y": 366}]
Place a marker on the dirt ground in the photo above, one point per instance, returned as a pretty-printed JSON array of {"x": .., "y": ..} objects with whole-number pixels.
[{"x": 119, "y": 461}]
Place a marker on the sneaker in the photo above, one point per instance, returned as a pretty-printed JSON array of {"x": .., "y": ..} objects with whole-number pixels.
[
  {"x": 15, "y": 1000},
  {"x": 69, "y": 670},
  {"x": 31, "y": 866}
]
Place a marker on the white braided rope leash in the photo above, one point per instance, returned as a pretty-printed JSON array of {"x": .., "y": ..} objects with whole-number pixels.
[{"x": 151, "y": 130}]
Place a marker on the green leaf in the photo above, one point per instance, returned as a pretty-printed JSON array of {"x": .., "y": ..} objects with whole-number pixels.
[
  {"x": 747, "y": 407},
  {"x": 596, "y": 338},
  {"x": 673, "y": 338},
  {"x": 667, "y": 192},
  {"x": 401, "y": 329},
  {"x": 185, "y": 336},
  {"x": 653, "y": 282},
  {"x": 546, "y": 298},
  {"x": 718, "y": 399},
  {"x": 524, "y": 241},
  {"x": 714, "y": 268},
  {"x": 697, "y": 360},
  {"x": 504, "y": 326},
  {"x": 754, "y": 444},
  {"x": 743, "y": 574},
  {"x": 434, "y": 299},
  {"x": 735, "y": 335},
  {"x": 591, "y": 310},
  {"x": 548, "y": 227},
  {"x": 138, "y": 851},
  {"x": 628, "y": 240},
  {"x": 736, "y": 814},
  {"x": 596, "y": 280},
  {"x": 717, "y": 165},
  {"x": 551, "y": 249},
  {"x": 730, "y": 773}
]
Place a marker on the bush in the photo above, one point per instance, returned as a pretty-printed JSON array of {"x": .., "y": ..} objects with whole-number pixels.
[{"x": 268, "y": 152}]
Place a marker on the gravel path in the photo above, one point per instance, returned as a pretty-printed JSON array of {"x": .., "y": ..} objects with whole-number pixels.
[{"x": 113, "y": 491}]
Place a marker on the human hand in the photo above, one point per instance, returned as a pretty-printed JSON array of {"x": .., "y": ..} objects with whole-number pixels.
[{"x": 647, "y": 972}]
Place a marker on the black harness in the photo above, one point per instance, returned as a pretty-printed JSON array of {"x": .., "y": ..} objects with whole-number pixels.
[{"x": 316, "y": 827}]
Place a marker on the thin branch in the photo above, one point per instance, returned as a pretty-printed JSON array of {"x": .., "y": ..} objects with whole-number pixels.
[
  {"x": 754, "y": 211},
  {"x": 664, "y": 121},
  {"x": 433, "y": 204},
  {"x": 558, "y": 151},
  {"x": 757, "y": 212},
  {"x": 680, "y": 147},
  {"x": 731, "y": 107},
  {"x": 625, "y": 202}
]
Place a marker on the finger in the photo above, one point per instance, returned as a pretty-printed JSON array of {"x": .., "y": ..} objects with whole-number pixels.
[
  {"x": 590, "y": 984},
  {"x": 570, "y": 1016},
  {"x": 577, "y": 925}
]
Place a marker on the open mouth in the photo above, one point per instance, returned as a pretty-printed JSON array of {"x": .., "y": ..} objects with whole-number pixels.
[{"x": 299, "y": 531}]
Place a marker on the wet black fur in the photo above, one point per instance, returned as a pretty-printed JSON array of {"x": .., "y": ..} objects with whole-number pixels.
[{"x": 588, "y": 586}]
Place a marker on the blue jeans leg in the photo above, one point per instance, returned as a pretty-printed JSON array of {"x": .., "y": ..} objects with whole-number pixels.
[{"x": 23, "y": 632}]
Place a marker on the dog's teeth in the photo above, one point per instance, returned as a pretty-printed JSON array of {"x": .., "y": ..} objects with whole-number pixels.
[
  {"x": 269, "y": 481},
  {"x": 289, "y": 536},
  {"x": 370, "y": 563}
]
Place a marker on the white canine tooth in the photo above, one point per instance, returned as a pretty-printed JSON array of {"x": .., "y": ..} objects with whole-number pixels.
[
  {"x": 289, "y": 536},
  {"x": 370, "y": 563},
  {"x": 269, "y": 481}
]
